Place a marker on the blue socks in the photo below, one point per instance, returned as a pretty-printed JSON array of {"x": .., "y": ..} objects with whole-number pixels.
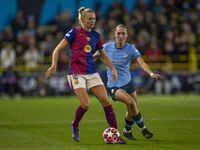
[
  {"x": 138, "y": 119},
  {"x": 128, "y": 124}
]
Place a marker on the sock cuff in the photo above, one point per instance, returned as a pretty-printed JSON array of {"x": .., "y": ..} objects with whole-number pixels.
[
  {"x": 108, "y": 108},
  {"x": 137, "y": 117},
  {"x": 82, "y": 109},
  {"x": 129, "y": 122}
]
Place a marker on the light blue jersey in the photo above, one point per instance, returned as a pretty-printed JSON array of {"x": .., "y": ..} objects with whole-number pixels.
[{"x": 121, "y": 59}]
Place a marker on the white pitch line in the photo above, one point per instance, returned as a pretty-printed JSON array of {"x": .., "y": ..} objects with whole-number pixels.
[{"x": 90, "y": 121}]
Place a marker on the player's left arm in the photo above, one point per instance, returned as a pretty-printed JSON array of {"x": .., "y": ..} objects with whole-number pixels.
[{"x": 147, "y": 69}]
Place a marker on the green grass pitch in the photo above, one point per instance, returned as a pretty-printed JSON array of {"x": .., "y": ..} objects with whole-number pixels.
[{"x": 44, "y": 124}]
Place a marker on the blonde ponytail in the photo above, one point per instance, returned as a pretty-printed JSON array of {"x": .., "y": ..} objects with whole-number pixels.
[{"x": 82, "y": 12}]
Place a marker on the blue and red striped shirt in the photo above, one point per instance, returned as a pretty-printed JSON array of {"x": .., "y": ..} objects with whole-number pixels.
[{"x": 82, "y": 46}]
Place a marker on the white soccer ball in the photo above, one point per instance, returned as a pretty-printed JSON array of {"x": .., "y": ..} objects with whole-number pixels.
[{"x": 111, "y": 136}]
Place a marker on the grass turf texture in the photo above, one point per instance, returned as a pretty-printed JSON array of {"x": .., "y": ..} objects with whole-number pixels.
[{"x": 44, "y": 123}]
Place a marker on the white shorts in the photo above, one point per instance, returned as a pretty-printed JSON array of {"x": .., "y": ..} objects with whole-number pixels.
[{"x": 86, "y": 81}]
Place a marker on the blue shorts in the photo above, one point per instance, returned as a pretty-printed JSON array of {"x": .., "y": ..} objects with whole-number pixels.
[{"x": 129, "y": 88}]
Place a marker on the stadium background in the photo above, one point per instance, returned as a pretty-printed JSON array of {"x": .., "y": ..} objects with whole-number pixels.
[{"x": 167, "y": 33}]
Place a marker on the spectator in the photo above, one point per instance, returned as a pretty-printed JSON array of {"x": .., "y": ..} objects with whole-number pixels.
[
  {"x": 31, "y": 57},
  {"x": 153, "y": 53},
  {"x": 65, "y": 21},
  {"x": 48, "y": 44},
  {"x": 143, "y": 40},
  {"x": 182, "y": 48},
  {"x": 170, "y": 7},
  {"x": 8, "y": 56},
  {"x": 9, "y": 34},
  {"x": 142, "y": 6},
  {"x": 169, "y": 49},
  {"x": 198, "y": 53},
  {"x": 19, "y": 54},
  {"x": 187, "y": 82},
  {"x": 31, "y": 25},
  {"x": 163, "y": 86},
  {"x": 19, "y": 22},
  {"x": 10, "y": 82},
  {"x": 1, "y": 39},
  {"x": 40, "y": 34},
  {"x": 42, "y": 87},
  {"x": 139, "y": 22},
  {"x": 173, "y": 25},
  {"x": 100, "y": 27},
  {"x": 157, "y": 7}
]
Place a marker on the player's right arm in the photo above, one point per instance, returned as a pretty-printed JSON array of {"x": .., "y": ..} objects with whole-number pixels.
[
  {"x": 96, "y": 56},
  {"x": 52, "y": 70},
  {"x": 106, "y": 60}
]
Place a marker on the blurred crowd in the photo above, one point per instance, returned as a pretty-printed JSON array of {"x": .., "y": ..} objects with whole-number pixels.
[{"x": 164, "y": 28}]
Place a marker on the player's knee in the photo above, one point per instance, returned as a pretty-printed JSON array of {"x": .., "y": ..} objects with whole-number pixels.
[
  {"x": 106, "y": 102},
  {"x": 130, "y": 102},
  {"x": 85, "y": 106}
]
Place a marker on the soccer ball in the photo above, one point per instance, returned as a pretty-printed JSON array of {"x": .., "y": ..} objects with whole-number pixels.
[{"x": 111, "y": 136}]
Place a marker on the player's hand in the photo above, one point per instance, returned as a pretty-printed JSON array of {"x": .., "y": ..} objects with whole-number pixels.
[
  {"x": 114, "y": 74},
  {"x": 156, "y": 76},
  {"x": 51, "y": 71}
]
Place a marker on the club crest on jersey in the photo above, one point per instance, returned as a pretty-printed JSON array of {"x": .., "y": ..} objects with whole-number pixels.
[
  {"x": 75, "y": 79},
  {"x": 88, "y": 38},
  {"x": 125, "y": 55},
  {"x": 76, "y": 82},
  {"x": 87, "y": 48}
]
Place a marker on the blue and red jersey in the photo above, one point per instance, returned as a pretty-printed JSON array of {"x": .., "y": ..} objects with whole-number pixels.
[{"x": 82, "y": 46}]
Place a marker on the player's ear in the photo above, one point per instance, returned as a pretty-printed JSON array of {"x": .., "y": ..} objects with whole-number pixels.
[
  {"x": 115, "y": 34},
  {"x": 126, "y": 35},
  {"x": 83, "y": 19}
]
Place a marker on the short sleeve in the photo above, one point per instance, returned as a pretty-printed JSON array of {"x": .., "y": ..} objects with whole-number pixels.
[
  {"x": 70, "y": 36},
  {"x": 100, "y": 43},
  {"x": 136, "y": 52}
]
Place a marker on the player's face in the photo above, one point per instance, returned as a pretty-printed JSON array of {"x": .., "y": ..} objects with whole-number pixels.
[
  {"x": 121, "y": 35},
  {"x": 89, "y": 20}
]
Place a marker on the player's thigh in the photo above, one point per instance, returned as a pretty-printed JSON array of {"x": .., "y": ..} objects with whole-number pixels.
[
  {"x": 122, "y": 96},
  {"x": 134, "y": 96},
  {"x": 100, "y": 92},
  {"x": 76, "y": 81},
  {"x": 93, "y": 80},
  {"x": 83, "y": 97}
]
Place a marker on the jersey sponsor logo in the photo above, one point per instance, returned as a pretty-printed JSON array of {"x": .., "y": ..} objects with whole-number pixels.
[
  {"x": 110, "y": 53},
  {"x": 87, "y": 48},
  {"x": 125, "y": 55},
  {"x": 119, "y": 62},
  {"x": 88, "y": 38}
]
